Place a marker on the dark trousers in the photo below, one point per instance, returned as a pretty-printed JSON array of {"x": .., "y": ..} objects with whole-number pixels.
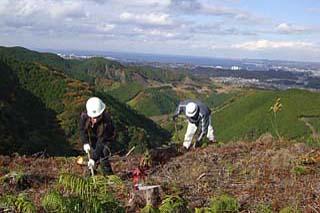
[{"x": 101, "y": 154}]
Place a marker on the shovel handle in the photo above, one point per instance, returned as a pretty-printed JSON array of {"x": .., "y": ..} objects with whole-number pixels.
[{"x": 91, "y": 169}]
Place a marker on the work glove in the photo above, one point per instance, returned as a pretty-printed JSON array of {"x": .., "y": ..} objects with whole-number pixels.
[
  {"x": 91, "y": 164},
  {"x": 86, "y": 148}
]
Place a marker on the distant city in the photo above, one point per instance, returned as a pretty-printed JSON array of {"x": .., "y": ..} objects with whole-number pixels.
[
  {"x": 258, "y": 73},
  {"x": 192, "y": 61}
]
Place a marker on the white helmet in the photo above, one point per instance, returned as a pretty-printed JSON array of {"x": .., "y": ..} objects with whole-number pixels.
[
  {"x": 191, "y": 109},
  {"x": 95, "y": 107}
]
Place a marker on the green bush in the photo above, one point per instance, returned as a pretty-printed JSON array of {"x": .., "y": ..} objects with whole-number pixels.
[
  {"x": 299, "y": 170},
  {"x": 202, "y": 210},
  {"x": 224, "y": 203},
  {"x": 174, "y": 204},
  {"x": 289, "y": 210},
  {"x": 263, "y": 208}
]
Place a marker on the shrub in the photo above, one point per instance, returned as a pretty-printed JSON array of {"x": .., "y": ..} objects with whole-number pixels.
[
  {"x": 263, "y": 208},
  {"x": 299, "y": 170},
  {"x": 224, "y": 203},
  {"x": 202, "y": 210},
  {"x": 289, "y": 210},
  {"x": 174, "y": 204}
]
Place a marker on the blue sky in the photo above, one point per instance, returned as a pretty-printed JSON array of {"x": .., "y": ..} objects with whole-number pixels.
[{"x": 270, "y": 29}]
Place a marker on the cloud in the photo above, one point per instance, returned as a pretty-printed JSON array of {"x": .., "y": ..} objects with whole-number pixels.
[
  {"x": 267, "y": 44},
  {"x": 67, "y": 10},
  {"x": 146, "y": 18},
  {"x": 196, "y": 7},
  {"x": 220, "y": 29},
  {"x": 286, "y": 28},
  {"x": 43, "y": 8},
  {"x": 105, "y": 27},
  {"x": 185, "y": 26},
  {"x": 155, "y": 33},
  {"x": 185, "y": 5}
]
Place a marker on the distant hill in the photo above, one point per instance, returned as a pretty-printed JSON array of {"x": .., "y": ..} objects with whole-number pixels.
[
  {"x": 248, "y": 116},
  {"x": 25, "y": 55},
  {"x": 46, "y": 105},
  {"x": 91, "y": 68},
  {"x": 85, "y": 69}
]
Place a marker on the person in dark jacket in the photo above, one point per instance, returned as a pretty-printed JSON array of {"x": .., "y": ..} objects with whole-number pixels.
[
  {"x": 198, "y": 115},
  {"x": 97, "y": 132}
]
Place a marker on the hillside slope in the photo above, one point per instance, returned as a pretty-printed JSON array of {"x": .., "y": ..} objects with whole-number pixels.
[
  {"x": 61, "y": 99},
  {"x": 249, "y": 116},
  {"x": 27, "y": 124},
  {"x": 263, "y": 176}
]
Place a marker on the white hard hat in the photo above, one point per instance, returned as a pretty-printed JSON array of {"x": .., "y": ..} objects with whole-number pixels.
[
  {"x": 95, "y": 107},
  {"x": 191, "y": 109}
]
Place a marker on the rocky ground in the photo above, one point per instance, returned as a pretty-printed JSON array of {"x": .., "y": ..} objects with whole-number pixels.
[{"x": 265, "y": 173}]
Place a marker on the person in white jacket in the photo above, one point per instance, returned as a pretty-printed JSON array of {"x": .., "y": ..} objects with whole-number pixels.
[{"x": 198, "y": 115}]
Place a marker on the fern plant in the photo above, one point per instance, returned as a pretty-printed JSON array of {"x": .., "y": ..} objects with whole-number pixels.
[
  {"x": 174, "y": 204},
  {"x": 18, "y": 180},
  {"x": 20, "y": 204},
  {"x": 91, "y": 194}
]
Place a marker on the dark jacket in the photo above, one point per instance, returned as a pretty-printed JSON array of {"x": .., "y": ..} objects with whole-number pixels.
[
  {"x": 201, "y": 119},
  {"x": 102, "y": 131}
]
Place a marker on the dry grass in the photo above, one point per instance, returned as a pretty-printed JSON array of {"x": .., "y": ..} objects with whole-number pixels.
[
  {"x": 265, "y": 172},
  {"x": 256, "y": 173}
]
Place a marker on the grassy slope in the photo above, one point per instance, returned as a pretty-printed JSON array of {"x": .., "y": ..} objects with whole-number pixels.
[
  {"x": 249, "y": 116},
  {"x": 155, "y": 101},
  {"x": 125, "y": 92}
]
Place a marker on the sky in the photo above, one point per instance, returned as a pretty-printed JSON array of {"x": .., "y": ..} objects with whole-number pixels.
[{"x": 264, "y": 29}]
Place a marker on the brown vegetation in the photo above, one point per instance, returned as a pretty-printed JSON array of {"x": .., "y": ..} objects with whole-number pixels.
[{"x": 266, "y": 172}]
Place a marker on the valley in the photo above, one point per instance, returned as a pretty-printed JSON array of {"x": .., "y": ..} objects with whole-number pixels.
[{"x": 263, "y": 160}]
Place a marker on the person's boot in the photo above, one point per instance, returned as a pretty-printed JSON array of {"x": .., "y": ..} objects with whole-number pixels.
[
  {"x": 182, "y": 150},
  {"x": 213, "y": 141}
]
